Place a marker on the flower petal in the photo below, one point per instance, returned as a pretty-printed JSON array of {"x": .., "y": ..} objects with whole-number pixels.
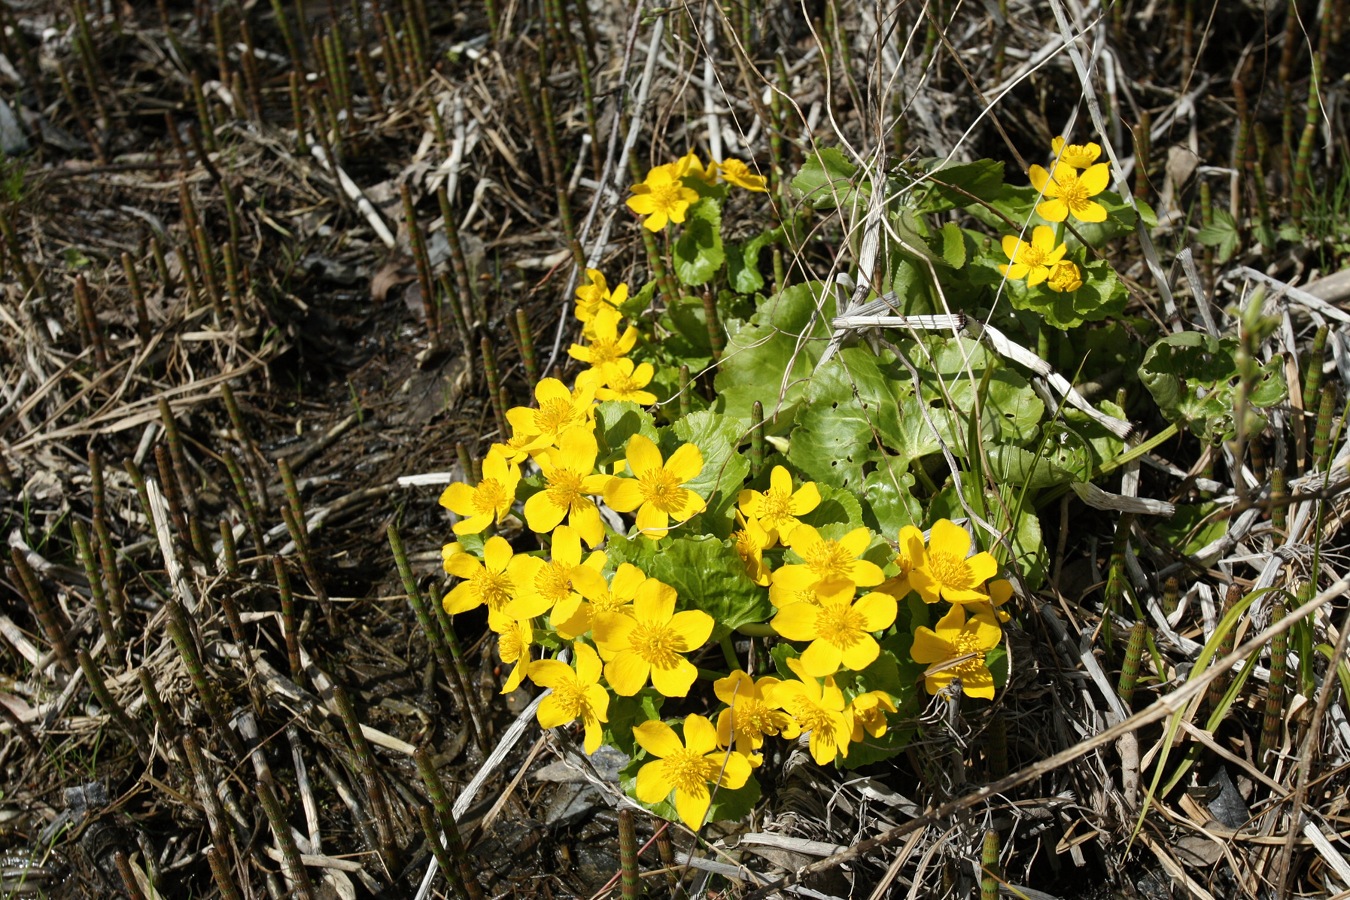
[
  {"x": 623, "y": 494},
  {"x": 796, "y": 621},
  {"x": 552, "y": 713},
  {"x": 928, "y": 647},
  {"x": 878, "y": 610},
  {"x": 652, "y": 784},
  {"x": 861, "y": 653},
  {"x": 821, "y": 658},
  {"x": 1095, "y": 179},
  {"x": 692, "y": 805},
  {"x": 627, "y": 672},
  {"x": 685, "y": 463},
  {"x": 948, "y": 537},
  {"x": 657, "y": 738}
]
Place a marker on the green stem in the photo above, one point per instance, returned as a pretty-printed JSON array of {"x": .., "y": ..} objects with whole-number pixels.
[{"x": 729, "y": 653}]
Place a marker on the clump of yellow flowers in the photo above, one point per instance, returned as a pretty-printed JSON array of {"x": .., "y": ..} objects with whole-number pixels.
[{"x": 843, "y": 602}]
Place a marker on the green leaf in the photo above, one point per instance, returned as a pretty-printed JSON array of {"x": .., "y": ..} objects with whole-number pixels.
[
  {"x": 782, "y": 338},
  {"x": 725, "y": 468},
  {"x": 888, "y": 491},
  {"x": 698, "y": 250},
  {"x": 687, "y": 322},
  {"x": 1016, "y": 465},
  {"x": 615, "y": 422},
  {"x": 953, "y": 245},
  {"x": 837, "y": 507},
  {"x": 626, "y": 713},
  {"x": 1193, "y": 379},
  {"x": 826, "y": 180},
  {"x": 743, "y": 264},
  {"x": 1221, "y": 233},
  {"x": 951, "y": 185},
  {"x": 705, "y": 572}
]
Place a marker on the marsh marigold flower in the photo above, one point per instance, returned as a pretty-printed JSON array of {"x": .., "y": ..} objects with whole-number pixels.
[
  {"x": 749, "y": 717},
  {"x": 840, "y": 631},
  {"x": 489, "y": 501},
  {"x": 596, "y": 295},
  {"x": 946, "y": 573},
  {"x": 910, "y": 555},
  {"x": 750, "y": 541},
  {"x": 652, "y": 643},
  {"x": 777, "y": 508},
  {"x": 1032, "y": 260},
  {"x": 868, "y": 712},
  {"x": 596, "y": 599},
  {"x": 1068, "y": 192},
  {"x": 569, "y": 482},
  {"x": 656, "y": 489},
  {"x": 1080, "y": 156},
  {"x": 662, "y": 197},
  {"x": 604, "y": 342},
  {"x": 1065, "y": 278},
  {"x": 577, "y": 694},
  {"x": 733, "y": 171},
  {"x": 690, "y": 165},
  {"x": 686, "y": 767},
  {"x": 495, "y": 581},
  {"x": 955, "y": 649},
  {"x": 553, "y": 583},
  {"x": 513, "y": 646},
  {"x": 818, "y": 709},
  {"x": 825, "y": 564},
  {"x": 622, "y": 379},
  {"x": 559, "y": 409}
]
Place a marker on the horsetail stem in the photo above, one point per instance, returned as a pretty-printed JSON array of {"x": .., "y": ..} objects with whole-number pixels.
[
  {"x": 229, "y": 551},
  {"x": 991, "y": 874},
  {"x": 170, "y": 488},
  {"x": 365, "y": 765},
  {"x": 1220, "y": 682},
  {"x": 92, "y": 329},
  {"x": 494, "y": 385},
  {"x": 297, "y": 113},
  {"x": 1274, "y": 708},
  {"x": 1129, "y": 669},
  {"x": 449, "y": 828},
  {"x": 137, "y": 297},
  {"x": 426, "y": 817},
  {"x": 221, "y": 874},
  {"x": 686, "y": 385},
  {"x": 631, "y": 881},
  {"x": 423, "y": 261},
  {"x": 527, "y": 353},
  {"x": 159, "y": 713},
  {"x": 181, "y": 633},
  {"x": 99, "y": 688},
  {"x": 1326, "y": 408},
  {"x": 289, "y": 628},
  {"x": 435, "y": 637},
  {"x": 470, "y": 306},
  {"x": 756, "y": 438},
  {"x": 85, "y": 550},
  {"x": 479, "y": 723},
  {"x": 245, "y": 501},
  {"x": 53, "y": 623},
  {"x": 1255, "y": 166},
  {"x": 1279, "y": 499},
  {"x": 556, "y": 166},
  {"x": 462, "y": 457},
  {"x": 1143, "y": 145},
  {"x": 1312, "y": 375},
  {"x": 716, "y": 337},
  {"x": 281, "y": 833}
]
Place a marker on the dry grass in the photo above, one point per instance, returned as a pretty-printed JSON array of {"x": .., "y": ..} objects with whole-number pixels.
[{"x": 209, "y": 210}]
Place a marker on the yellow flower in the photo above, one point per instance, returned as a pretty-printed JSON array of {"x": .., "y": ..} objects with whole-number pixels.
[
  {"x": 1033, "y": 260},
  {"x": 840, "y": 632},
  {"x": 910, "y": 555},
  {"x": 1000, "y": 592},
  {"x": 574, "y": 616},
  {"x": 553, "y": 583},
  {"x": 490, "y": 500},
  {"x": 656, "y": 489},
  {"x": 593, "y": 297},
  {"x": 749, "y": 716},
  {"x": 1065, "y": 277},
  {"x": 569, "y": 477},
  {"x": 689, "y": 165},
  {"x": 606, "y": 343},
  {"x": 825, "y": 564},
  {"x": 513, "y": 646},
  {"x": 652, "y": 642},
  {"x": 495, "y": 581},
  {"x": 621, "y": 379},
  {"x": 1080, "y": 156},
  {"x": 777, "y": 508},
  {"x": 686, "y": 767},
  {"x": 662, "y": 197},
  {"x": 577, "y": 694},
  {"x": 559, "y": 409},
  {"x": 955, "y": 649},
  {"x": 736, "y": 172},
  {"x": 869, "y": 714},
  {"x": 946, "y": 573},
  {"x": 750, "y": 542},
  {"x": 1070, "y": 193},
  {"x": 817, "y": 709}
]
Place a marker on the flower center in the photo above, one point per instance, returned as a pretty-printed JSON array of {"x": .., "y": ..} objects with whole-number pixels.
[
  {"x": 554, "y": 414},
  {"x": 495, "y": 588},
  {"x": 660, "y": 488},
  {"x": 752, "y": 718},
  {"x": 1032, "y": 256},
  {"x": 816, "y": 720},
  {"x": 777, "y": 508},
  {"x": 564, "y": 488},
  {"x": 666, "y": 196},
  {"x": 830, "y": 562},
  {"x": 510, "y": 645},
  {"x": 490, "y": 496},
  {"x": 656, "y": 645},
  {"x": 554, "y": 582},
  {"x": 571, "y": 696},
  {"x": 689, "y": 772},
  {"x": 948, "y": 571},
  {"x": 607, "y": 603},
  {"x": 604, "y": 350},
  {"x": 1072, "y": 191},
  {"x": 839, "y": 624}
]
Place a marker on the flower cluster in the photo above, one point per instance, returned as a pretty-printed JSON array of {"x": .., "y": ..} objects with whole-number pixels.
[
  {"x": 666, "y": 194},
  {"x": 1068, "y": 188}
]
